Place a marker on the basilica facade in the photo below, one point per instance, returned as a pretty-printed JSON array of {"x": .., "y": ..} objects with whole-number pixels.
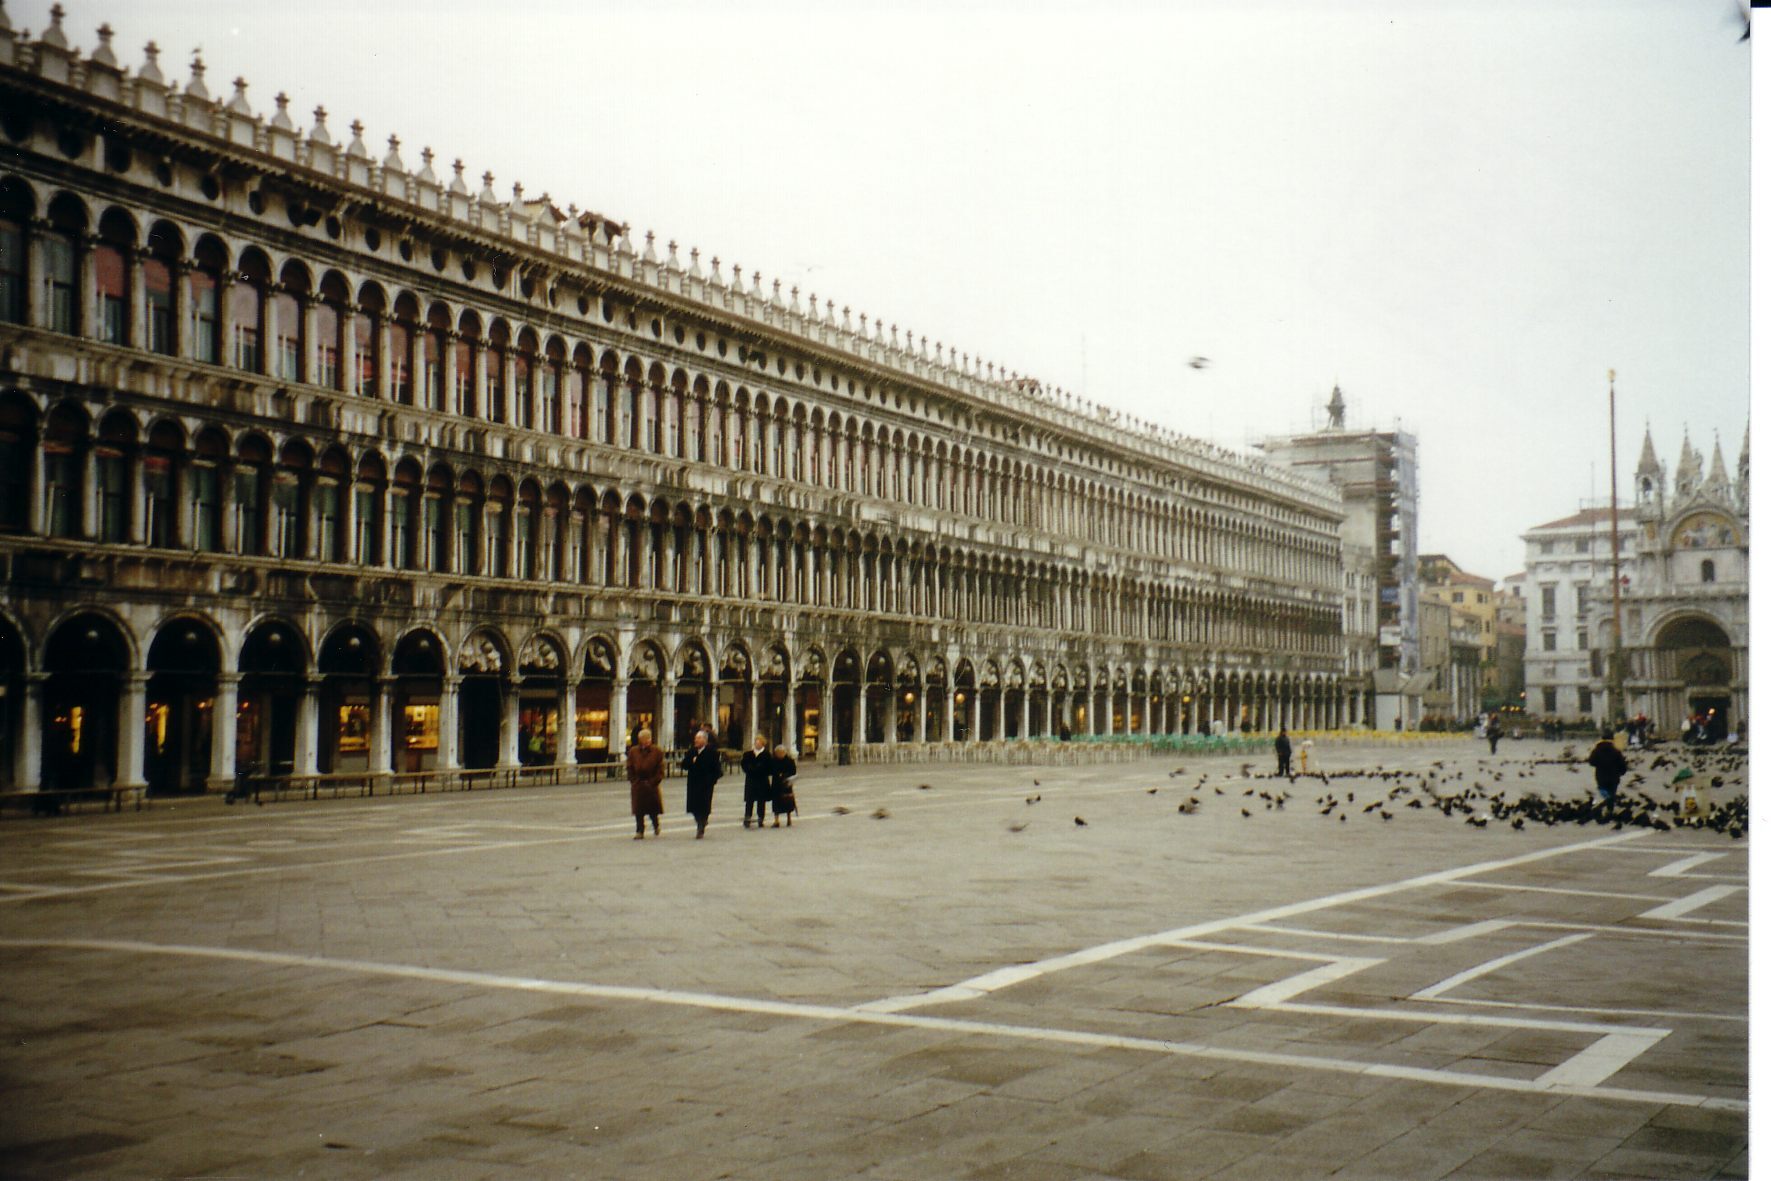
[{"x": 313, "y": 462}]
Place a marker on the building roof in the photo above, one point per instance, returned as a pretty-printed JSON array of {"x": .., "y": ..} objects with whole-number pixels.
[{"x": 1586, "y": 516}]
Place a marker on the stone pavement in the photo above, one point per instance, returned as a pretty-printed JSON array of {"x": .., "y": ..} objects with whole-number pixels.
[{"x": 507, "y": 985}]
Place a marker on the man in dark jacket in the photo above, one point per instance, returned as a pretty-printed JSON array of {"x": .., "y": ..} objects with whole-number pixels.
[
  {"x": 701, "y": 767},
  {"x": 1282, "y": 748},
  {"x": 1492, "y": 732},
  {"x": 1608, "y": 766}
]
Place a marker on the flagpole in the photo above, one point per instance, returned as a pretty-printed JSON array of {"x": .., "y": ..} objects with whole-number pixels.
[{"x": 1616, "y": 678}]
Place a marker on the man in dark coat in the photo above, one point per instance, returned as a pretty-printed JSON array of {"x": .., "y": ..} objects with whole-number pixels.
[
  {"x": 701, "y": 766},
  {"x": 1492, "y": 732},
  {"x": 758, "y": 780},
  {"x": 1608, "y": 766},
  {"x": 645, "y": 775},
  {"x": 1282, "y": 748}
]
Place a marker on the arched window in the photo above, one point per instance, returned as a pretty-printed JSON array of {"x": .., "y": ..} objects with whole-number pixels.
[
  {"x": 158, "y": 292},
  {"x": 251, "y": 474},
  {"x": 110, "y": 259},
  {"x": 246, "y": 311},
  {"x": 18, "y": 450},
  {"x": 206, "y": 503},
  {"x": 160, "y": 478},
  {"x": 553, "y": 372},
  {"x": 497, "y": 344},
  {"x": 287, "y": 308},
  {"x": 205, "y": 288},
  {"x": 330, "y": 488},
  {"x": 402, "y": 505},
  {"x": 468, "y": 507},
  {"x": 436, "y": 342},
  {"x": 1707, "y": 571},
  {"x": 290, "y": 487},
  {"x": 402, "y": 332},
  {"x": 523, "y": 539},
  {"x": 113, "y": 462},
  {"x": 15, "y": 214},
  {"x": 467, "y": 357},
  {"x": 437, "y": 520},
  {"x": 498, "y": 513},
  {"x": 64, "y": 449},
  {"x": 366, "y": 506},
  {"x": 366, "y": 339},
  {"x": 329, "y": 315},
  {"x": 61, "y": 264},
  {"x": 523, "y": 382}
]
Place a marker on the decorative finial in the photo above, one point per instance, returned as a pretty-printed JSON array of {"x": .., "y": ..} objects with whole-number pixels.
[
  {"x": 53, "y": 35},
  {"x": 280, "y": 120},
  {"x": 150, "y": 71},
  {"x": 102, "y": 55}
]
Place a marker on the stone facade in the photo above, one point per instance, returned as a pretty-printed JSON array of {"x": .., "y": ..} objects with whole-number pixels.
[{"x": 312, "y": 462}]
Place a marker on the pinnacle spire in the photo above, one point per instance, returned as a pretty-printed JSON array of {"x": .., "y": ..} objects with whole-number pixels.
[{"x": 1649, "y": 464}]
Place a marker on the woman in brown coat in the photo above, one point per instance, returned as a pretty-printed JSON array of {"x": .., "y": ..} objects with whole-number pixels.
[{"x": 645, "y": 775}]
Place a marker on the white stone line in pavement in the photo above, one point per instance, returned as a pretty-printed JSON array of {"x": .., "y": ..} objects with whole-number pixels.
[
  {"x": 1563, "y": 890},
  {"x": 1276, "y": 994},
  {"x": 1682, "y": 867},
  {"x": 1674, "y": 933},
  {"x": 1604, "y": 1058},
  {"x": 1596, "y": 1011},
  {"x": 1433, "y": 991},
  {"x": 1466, "y": 931},
  {"x": 836, "y": 1014},
  {"x": 1679, "y": 907},
  {"x": 989, "y": 982}
]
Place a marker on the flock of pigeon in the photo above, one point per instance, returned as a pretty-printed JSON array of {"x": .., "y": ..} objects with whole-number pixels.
[{"x": 1494, "y": 794}]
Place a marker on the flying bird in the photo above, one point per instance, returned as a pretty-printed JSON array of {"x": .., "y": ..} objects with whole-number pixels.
[{"x": 1202, "y": 362}]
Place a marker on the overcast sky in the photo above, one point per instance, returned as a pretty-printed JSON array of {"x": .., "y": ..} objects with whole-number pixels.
[{"x": 1463, "y": 213}]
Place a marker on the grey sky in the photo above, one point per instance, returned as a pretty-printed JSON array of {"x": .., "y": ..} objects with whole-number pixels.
[{"x": 1464, "y": 213}]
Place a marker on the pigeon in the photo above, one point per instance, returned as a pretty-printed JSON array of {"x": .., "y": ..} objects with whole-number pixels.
[
  {"x": 1246, "y": 813},
  {"x": 1149, "y": 791},
  {"x": 1386, "y": 815},
  {"x": 1081, "y": 823},
  {"x": 881, "y": 814},
  {"x": 1036, "y": 783},
  {"x": 840, "y": 810},
  {"x": 1017, "y": 827},
  {"x": 922, "y": 787},
  {"x": 1202, "y": 362},
  {"x": 1033, "y": 799}
]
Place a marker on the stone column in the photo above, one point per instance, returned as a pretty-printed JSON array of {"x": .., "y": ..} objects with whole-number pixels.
[
  {"x": 27, "y": 754},
  {"x": 138, "y": 301},
  {"x": 449, "y": 724},
  {"x": 565, "y": 751},
  {"x": 861, "y": 714},
  {"x": 509, "y": 757},
  {"x": 618, "y": 718},
  {"x": 1026, "y": 713},
  {"x": 998, "y": 728},
  {"x": 790, "y": 734},
  {"x": 664, "y": 732},
  {"x": 946, "y": 713},
  {"x": 132, "y": 710},
  {"x": 223, "y": 737},
  {"x": 347, "y": 346},
  {"x": 381, "y": 728},
  {"x": 307, "y": 727},
  {"x": 890, "y": 730}
]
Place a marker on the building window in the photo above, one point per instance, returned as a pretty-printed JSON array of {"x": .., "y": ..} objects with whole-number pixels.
[
  {"x": 467, "y": 538},
  {"x": 365, "y": 330},
  {"x": 1580, "y": 640},
  {"x": 1457, "y": 596},
  {"x": 436, "y": 533},
  {"x": 329, "y": 505},
  {"x": 286, "y": 516},
  {"x": 524, "y": 541},
  {"x": 1581, "y": 545},
  {"x": 288, "y": 311},
  {"x": 400, "y": 522},
  {"x": 61, "y": 474},
  {"x": 1586, "y": 700},
  {"x": 162, "y": 504},
  {"x": 550, "y": 398},
  {"x": 15, "y": 471},
  {"x": 113, "y": 496},
  {"x": 112, "y": 276},
  {"x": 1580, "y": 598},
  {"x": 1707, "y": 571},
  {"x": 61, "y": 282},
  {"x": 156, "y": 283},
  {"x": 433, "y": 370},
  {"x": 466, "y": 357},
  {"x": 1549, "y": 602},
  {"x": 496, "y": 539},
  {"x": 248, "y": 511},
  {"x": 206, "y": 507},
  {"x": 206, "y": 315},
  {"x": 326, "y": 344},
  {"x": 399, "y": 362},
  {"x": 245, "y": 306},
  {"x": 368, "y": 521},
  {"x": 12, "y": 271},
  {"x": 1549, "y": 699},
  {"x": 1549, "y": 641}
]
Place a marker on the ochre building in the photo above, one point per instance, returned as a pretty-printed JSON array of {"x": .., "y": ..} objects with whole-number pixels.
[{"x": 313, "y": 462}]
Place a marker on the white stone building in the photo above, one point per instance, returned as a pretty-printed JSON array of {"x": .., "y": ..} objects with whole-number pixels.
[{"x": 1566, "y": 587}]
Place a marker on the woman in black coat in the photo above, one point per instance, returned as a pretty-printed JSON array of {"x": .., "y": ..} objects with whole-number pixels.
[
  {"x": 701, "y": 767},
  {"x": 758, "y": 780},
  {"x": 782, "y": 771}
]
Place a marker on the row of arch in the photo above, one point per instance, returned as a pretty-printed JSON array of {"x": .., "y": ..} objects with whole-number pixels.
[
  {"x": 187, "y": 293},
  {"x": 191, "y": 485},
  {"x": 189, "y": 703}
]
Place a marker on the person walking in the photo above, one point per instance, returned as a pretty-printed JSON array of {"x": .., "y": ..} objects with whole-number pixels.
[
  {"x": 645, "y": 776},
  {"x": 1493, "y": 733},
  {"x": 782, "y": 769},
  {"x": 1608, "y": 766},
  {"x": 1282, "y": 748},
  {"x": 758, "y": 780},
  {"x": 701, "y": 766}
]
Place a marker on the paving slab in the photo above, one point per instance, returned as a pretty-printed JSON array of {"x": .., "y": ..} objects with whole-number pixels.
[{"x": 504, "y": 984}]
